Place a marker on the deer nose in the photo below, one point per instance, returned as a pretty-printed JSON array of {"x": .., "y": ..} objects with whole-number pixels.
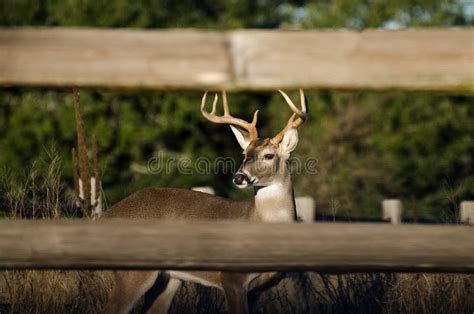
[{"x": 240, "y": 177}]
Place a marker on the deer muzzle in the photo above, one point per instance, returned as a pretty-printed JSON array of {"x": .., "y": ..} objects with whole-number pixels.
[{"x": 241, "y": 178}]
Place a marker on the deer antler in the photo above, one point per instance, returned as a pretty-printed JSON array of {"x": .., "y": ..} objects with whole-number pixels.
[
  {"x": 226, "y": 118},
  {"x": 297, "y": 118}
]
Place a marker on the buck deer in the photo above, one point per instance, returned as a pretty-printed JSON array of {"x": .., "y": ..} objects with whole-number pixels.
[{"x": 265, "y": 167}]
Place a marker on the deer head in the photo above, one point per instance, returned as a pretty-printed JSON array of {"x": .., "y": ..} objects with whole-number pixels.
[{"x": 265, "y": 159}]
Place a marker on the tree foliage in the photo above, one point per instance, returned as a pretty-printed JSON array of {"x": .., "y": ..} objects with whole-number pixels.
[
  {"x": 369, "y": 146},
  {"x": 234, "y": 14}
]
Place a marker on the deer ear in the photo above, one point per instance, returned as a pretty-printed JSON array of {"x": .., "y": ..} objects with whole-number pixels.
[
  {"x": 241, "y": 136},
  {"x": 289, "y": 141}
]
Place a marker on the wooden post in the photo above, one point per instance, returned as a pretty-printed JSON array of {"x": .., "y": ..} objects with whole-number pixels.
[
  {"x": 392, "y": 211},
  {"x": 466, "y": 212},
  {"x": 305, "y": 208}
]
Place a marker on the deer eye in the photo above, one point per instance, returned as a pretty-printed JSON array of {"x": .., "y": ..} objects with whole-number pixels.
[{"x": 268, "y": 156}]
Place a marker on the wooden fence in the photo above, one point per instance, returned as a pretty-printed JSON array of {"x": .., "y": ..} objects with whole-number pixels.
[
  {"x": 235, "y": 246},
  {"x": 413, "y": 59},
  {"x": 423, "y": 59}
]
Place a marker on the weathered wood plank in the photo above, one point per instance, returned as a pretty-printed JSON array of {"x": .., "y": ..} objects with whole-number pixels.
[
  {"x": 113, "y": 58},
  {"x": 413, "y": 59},
  {"x": 235, "y": 246}
]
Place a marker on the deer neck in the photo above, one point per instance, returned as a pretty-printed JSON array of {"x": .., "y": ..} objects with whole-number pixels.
[{"x": 275, "y": 202}]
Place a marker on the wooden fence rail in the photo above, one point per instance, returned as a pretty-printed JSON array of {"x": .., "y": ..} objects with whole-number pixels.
[
  {"x": 413, "y": 59},
  {"x": 235, "y": 246}
]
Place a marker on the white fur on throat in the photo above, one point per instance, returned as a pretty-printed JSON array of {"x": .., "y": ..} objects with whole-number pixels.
[{"x": 274, "y": 203}]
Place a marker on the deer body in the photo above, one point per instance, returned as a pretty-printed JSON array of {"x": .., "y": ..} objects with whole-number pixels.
[
  {"x": 160, "y": 203},
  {"x": 265, "y": 167}
]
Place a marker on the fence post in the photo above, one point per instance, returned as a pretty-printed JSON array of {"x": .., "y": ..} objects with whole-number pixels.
[
  {"x": 392, "y": 211},
  {"x": 466, "y": 212},
  {"x": 305, "y": 208}
]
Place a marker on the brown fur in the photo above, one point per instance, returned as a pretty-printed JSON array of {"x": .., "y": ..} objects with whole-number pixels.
[{"x": 160, "y": 203}]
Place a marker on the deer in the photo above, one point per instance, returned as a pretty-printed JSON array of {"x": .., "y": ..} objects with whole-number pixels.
[{"x": 265, "y": 167}]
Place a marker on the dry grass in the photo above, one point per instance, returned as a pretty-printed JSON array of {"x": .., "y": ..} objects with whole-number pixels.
[
  {"x": 440, "y": 293},
  {"x": 351, "y": 293},
  {"x": 55, "y": 291},
  {"x": 370, "y": 293},
  {"x": 86, "y": 292},
  {"x": 37, "y": 193}
]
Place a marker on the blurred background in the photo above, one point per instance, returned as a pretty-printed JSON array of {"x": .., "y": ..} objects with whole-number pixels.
[{"x": 416, "y": 146}]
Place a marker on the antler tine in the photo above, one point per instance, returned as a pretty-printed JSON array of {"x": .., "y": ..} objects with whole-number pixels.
[
  {"x": 214, "y": 104},
  {"x": 297, "y": 118},
  {"x": 304, "y": 103},
  {"x": 227, "y": 118},
  {"x": 254, "y": 120},
  {"x": 225, "y": 104},
  {"x": 301, "y": 113}
]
